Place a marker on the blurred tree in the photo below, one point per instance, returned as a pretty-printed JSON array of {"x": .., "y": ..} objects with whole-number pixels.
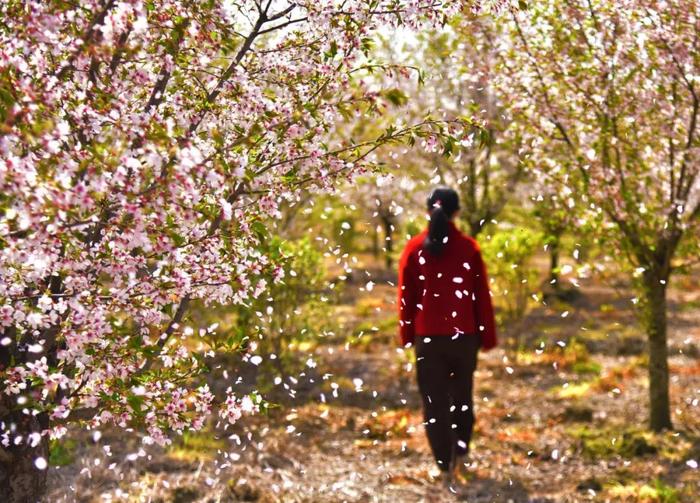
[
  {"x": 508, "y": 253},
  {"x": 457, "y": 67},
  {"x": 615, "y": 84}
]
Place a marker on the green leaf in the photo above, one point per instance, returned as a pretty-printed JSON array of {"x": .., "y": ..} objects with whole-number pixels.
[
  {"x": 448, "y": 147},
  {"x": 135, "y": 402},
  {"x": 396, "y": 96},
  {"x": 333, "y": 51},
  {"x": 6, "y": 102},
  {"x": 259, "y": 229},
  {"x": 135, "y": 342}
]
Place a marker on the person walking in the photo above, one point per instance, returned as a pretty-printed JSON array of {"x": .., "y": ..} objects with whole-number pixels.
[{"x": 446, "y": 313}]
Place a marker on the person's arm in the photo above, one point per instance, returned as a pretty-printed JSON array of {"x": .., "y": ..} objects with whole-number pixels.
[
  {"x": 483, "y": 307},
  {"x": 408, "y": 297}
]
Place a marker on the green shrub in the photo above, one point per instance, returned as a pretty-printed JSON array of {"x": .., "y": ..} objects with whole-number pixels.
[
  {"x": 61, "y": 452},
  {"x": 196, "y": 446},
  {"x": 413, "y": 227},
  {"x": 587, "y": 367},
  {"x": 605, "y": 443},
  {"x": 657, "y": 492},
  {"x": 345, "y": 232},
  {"x": 292, "y": 312},
  {"x": 508, "y": 255}
]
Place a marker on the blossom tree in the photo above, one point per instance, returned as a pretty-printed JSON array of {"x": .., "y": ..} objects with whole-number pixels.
[
  {"x": 464, "y": 68},
  {"x": 616, "y": 85},
  {"x": 144, "y": 144},
  {"x": 455, "y": 68}
]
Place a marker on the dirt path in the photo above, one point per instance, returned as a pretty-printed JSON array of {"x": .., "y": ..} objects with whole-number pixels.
[{"x": 562, "y": 424}]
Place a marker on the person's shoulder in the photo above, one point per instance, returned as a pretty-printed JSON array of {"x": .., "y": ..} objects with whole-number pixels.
[
  {"x": 471, "y": 244},
  {"x": 416, "y": 242},
  {"x": 411, "y": 249}
]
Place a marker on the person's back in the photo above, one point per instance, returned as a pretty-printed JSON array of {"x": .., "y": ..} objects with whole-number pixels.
[
  {"x": 445, "y": 311},
  {"x": 445, "y": 293}
]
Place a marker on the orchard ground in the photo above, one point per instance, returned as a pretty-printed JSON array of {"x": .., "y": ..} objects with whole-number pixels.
[{"x": 561, "y": 420}]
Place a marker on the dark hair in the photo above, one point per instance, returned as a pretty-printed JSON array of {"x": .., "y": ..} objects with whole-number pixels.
[{"x": 443, "y": 203}]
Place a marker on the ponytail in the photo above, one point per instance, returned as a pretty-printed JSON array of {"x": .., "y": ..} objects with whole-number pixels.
[
  {"x": 443, "y": 203},
  {"x": 437, "y": 231}
]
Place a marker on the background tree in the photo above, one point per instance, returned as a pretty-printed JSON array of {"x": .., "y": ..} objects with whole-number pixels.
[
  {"x": 456, "y": 69},
  {"x": 616, "y": 85},
  {"x": 555, "y": 208},
  {"x": 383, "y": 199}
]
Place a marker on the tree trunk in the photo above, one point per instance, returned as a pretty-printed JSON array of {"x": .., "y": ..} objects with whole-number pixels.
[
  {"x": 22, "y": 481},
  {"x": 554, "y": 263},
  {"x": 474, "y": 229},
  {"x": 389, "y": 241},
  {"x": 654, "y": 317},
  {"x": 375, "y": 242}
]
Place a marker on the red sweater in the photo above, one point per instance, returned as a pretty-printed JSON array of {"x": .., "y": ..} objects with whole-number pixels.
[{"x": 445, "y": 294}]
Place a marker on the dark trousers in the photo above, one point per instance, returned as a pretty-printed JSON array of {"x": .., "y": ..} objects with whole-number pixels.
[{"x": 445, "y": 369}]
